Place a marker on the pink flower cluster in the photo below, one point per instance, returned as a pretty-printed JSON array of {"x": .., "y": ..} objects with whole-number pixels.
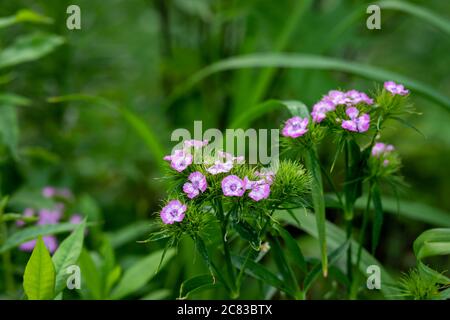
[
  {"x": 232, "y": 185},
  {"x": 357, "y": 123},
  {"x": 335, "y": 98},
  {"x": 395, "y": 89},
  {"x": 379, "y": 150}
]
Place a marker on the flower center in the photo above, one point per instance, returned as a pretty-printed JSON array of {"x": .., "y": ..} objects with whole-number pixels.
[{"x": 233, "y": 187}]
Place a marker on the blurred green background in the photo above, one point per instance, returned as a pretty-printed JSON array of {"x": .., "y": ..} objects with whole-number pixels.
[{"x": 139, "y": 54}]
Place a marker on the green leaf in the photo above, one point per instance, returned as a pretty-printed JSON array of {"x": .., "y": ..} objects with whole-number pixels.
[
  {"x": 130, "y": 233},
  {"x": 260, "y": 272},
  {"x": 378, "y": 218},
  {"x": 247, "y": 232},
  {"x": 295, "y": 254},
  {"x": 315, "y": 271},
  {"x": 419, "y": 12},
  {"x": 39, "y": 276},
  {"x": 304, "y": 61},
  {"x": 33, "y": 232},
  {"x": 195, "y": 284},
  {"x": 9, "y": 128},
  {"x": 335, "y": 238},
  {"x": 313, "y": 166},
  {"x": 67, "y": 255},
  {"x": 92, "y": 280},
  {"x": 29, "y": 48},
  {"x": 432, "y": 242},
  {"x": 284, "y": 268},
  {"x": 14, "y": 100},
  {"x": 24, "y": 15},
  {"x": 405, "y": 208},
  {"x": 139, "y": 274}
]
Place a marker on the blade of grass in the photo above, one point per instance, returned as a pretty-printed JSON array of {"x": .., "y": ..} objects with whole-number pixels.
[
  {"x": 417, "y": 11},
  {"x": 304, "y": 61}
]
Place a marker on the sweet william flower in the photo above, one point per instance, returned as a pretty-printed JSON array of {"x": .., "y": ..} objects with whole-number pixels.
[
  {"x": 380, "y": 149},
  {"x": 259, "y": 189},
  {"x": 395, "y": 89},
  {"x": 174, "y": 211},
  {"x": 220, "y": 167},
  {"x": 196, "y": 185},
  {"x": 356, "y": 123},
  {"x": 179, "y": 160},
  {"x": 355, "y": 97},
  {"x": 295, "y": 127},
  {"x": 320, "y": 110},
  {"x": 195, "y": 143},
  {"x": 233, "y": 186}
]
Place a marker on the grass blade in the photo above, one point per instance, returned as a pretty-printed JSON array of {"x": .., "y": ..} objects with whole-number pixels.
[{"x": 305, "y": 61}]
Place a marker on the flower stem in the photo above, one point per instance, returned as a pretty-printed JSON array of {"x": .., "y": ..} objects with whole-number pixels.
[{"x": 6, "y": 256}]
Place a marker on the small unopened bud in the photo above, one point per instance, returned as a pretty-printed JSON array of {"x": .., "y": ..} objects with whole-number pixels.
[{"x": 265, "y": 247}]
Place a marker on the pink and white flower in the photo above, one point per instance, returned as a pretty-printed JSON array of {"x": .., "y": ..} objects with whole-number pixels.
[
  {"x": 179, "y": 160},
  {"x": 174, "y": 211},
  {"x": 233, "y": 186},
  {"x": 195, "y": 143},
  {"x": 320, "y": 110},
  {"x": 196, "y": 185},
  {"x": 395, "y": 89},
  {"x": 295, "y": 127},
  {"x": 356, "y": 123},
  {"x": 220, "y": 167},
  {"x": 380, "y": 149}
]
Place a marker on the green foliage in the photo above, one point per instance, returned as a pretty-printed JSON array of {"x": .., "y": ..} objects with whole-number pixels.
[
  {"x": 39, "y": 276},
  {"x": 66, "y": 255},
  {"x": 139, "y": 274}
]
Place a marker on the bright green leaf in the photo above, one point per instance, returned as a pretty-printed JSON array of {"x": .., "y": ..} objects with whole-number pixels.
[{"x": 39, "y": 276}]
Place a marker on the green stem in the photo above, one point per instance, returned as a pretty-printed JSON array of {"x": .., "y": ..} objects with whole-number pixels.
[
  {"x": 226, "y": 249},
  {"x": 6, "y": 256},
  {"x": 364, "y": 226}
]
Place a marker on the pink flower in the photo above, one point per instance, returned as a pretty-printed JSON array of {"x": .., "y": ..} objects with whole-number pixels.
[
  {"x": 50, "y": 242},
  {"x": 336, "y": 97},
  {"x": 196, "y": 185},
  {"x": 48, "y": 192},
  {"x": 268, "y": 176},
  {"x": 394, "y": 88},
  {"x": 295, "y": 127},
  {"x": 179, "y": 160},
  {"x": 27, "y": 213},
  {"x": 356, "y": 124},
  {"x": 174, "y": 211},
  {"x": 233, "y": 186},
  {"x": 229, "y": 157},
  {"x": 220, "y": 167},
  {"x": 320, "y": 110},
  {"x": 356, "y": 97},
  {"x": 49, "y": 216},
  {"x": 195, "y": 143},
  {"x": 260, "y": 189},
  {"x": 76, "y": 218},
  {"x": 380, "y": 149}
]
